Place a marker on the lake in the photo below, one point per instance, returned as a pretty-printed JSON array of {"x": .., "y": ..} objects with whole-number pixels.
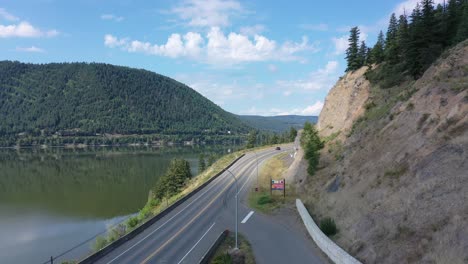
[{"x": 53, "y": 199}]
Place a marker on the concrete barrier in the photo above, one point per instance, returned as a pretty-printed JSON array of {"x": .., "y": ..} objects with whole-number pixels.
[
  {"x": 104, "y": 251},
  {"x": 332, "y": 250},
  {"x": 212, "y": 250}
]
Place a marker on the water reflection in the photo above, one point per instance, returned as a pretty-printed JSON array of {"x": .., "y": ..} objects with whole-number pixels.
[{"x": 51, "y": 199}]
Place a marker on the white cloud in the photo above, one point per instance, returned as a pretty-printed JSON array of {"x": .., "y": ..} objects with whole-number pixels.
[
  {"x": 409, "y": 5},
  {"x": 341, "y": 44},
  {"x": 308, "y": 110},
  {"x": 207, "y": 13},
  {"x": 272, "y": 68},
  {"x": 315, "y": 27},
  {"x": 287, "y": 93},
  {"x": 24, "y": 30},
  {"x": 112, "y": 17},
  {"x": 322, "y": 79},
  {"x": 216, "y": 48},
  {"x": 313, "y": 109},
  {"x": 252, "y": 30},
  {"x": 7, "y": 16},
  {"x": 32, "y": 49}
]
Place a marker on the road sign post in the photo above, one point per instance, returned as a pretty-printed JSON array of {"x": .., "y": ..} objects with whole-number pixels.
[{"x": 278, "y": 185}]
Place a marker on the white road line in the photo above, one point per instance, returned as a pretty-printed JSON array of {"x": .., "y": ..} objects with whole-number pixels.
[
  {"x": 196, "y": 243},
  {"x": 152, "y": 232},
  {"x": 247, "y": 217},
  {"x": 246, "y": 181}
]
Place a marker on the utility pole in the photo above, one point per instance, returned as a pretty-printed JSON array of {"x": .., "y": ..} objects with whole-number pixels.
[{"x": 237, "y": 204}]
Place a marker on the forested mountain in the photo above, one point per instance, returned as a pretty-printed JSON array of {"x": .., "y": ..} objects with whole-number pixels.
[
  {"x": 82, "y": 99},
  {"x": 278, "y": 124}
]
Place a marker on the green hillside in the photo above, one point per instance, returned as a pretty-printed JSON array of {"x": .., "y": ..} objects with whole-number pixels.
[{"x": 81, "y": 99}]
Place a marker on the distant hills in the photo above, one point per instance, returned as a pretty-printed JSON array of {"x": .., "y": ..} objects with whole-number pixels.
[
  {"x": 277, "y": 123},
  {"x": 86, "y": 99}
]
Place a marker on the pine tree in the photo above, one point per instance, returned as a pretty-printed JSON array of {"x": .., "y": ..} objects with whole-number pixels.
[
  {"x": 368, "y": 61},
  {"x": 378, "y": 49},
  {"x": 362, "y": 54},
  {"x": 201, "y": 163},
  {"x": 292, "y": 134},
  {"x": 462, "y": 32},
  {"x": 415, "y": 43},
  {"x": 402, "y": 38},
  {"x": 454, "y": 15},
  {"x": 251, "y": 139},
  {"x": 352, "y": 55},
  {"x": 391, "y": 49},
  {"x": 211, "y": 159}
]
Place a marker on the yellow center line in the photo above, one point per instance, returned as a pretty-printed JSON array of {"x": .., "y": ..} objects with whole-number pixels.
[{"x": 194, "y": 218}]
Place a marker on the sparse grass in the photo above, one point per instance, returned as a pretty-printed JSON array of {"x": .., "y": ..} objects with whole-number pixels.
[
  {"x": 222, "y": 256},
  {"x": 336, "y": 149},
  {"x": 331, "y": 137},
  {"x": 396, "y": 172},
  {"x": 422, "y": 120},
  {"x": 459, "y": 86},
  {"x": 273, "y": 168},
  {"x": 328, "y": 226}
]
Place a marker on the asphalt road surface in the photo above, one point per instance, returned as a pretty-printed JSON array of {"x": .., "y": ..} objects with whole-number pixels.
[{"x": 186, "y": 233}]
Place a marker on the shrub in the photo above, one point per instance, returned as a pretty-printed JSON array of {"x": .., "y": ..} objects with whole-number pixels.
[
  {"x": 132, "y": 222},
  {"x": 145, "y": 212},
  {"x": 265, "y": 199},
  {"x": 100, "y": 243},
  {"x": 222, "y": 259},
  {"x": 117, "y": 232},
  {"x": 328, "y": 226}
]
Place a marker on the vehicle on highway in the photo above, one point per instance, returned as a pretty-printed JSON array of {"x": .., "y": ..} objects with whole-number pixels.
[{"x": 278, "y": 148}]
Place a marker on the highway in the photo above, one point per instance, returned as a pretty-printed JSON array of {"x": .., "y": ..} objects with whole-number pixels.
[{"x": 186, "y": 233}]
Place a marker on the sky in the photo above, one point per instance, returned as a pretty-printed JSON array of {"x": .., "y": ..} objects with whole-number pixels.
[{"x": 249, "y": 57}]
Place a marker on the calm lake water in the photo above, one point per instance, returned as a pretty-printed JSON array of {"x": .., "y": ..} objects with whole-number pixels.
[{"x": 53, "y": 199}]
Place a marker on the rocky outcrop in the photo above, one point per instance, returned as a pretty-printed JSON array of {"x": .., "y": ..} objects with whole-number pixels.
[
  {"x": 400, "y": 175},
  {"x": 344, "y": 103}
]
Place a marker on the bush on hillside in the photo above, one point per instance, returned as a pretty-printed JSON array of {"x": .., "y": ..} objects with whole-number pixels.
[{"x": 328, "y": 226}]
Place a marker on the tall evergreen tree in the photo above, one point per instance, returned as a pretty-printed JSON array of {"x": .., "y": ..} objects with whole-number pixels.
[
  {"x": 362, "y": 54},
  {"x": 415, "y": 43},
  {"x": 378, "y": 49},
  {"x": 391, "y": 49},
  {"x": 251, "y": 139},
  {"x": 454, "y": 15},
  {"x": 402, "y": 38},
  {"x": 462, "y": 32},
  {"x": 352, "y": 53},
  {"x": 292, "y": 134},
  {"x": 201, "y": 163},
  {"x": 430, "y": 48}
]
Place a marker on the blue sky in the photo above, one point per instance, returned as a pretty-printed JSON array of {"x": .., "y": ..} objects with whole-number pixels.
[{"x": 249, "y": 57}]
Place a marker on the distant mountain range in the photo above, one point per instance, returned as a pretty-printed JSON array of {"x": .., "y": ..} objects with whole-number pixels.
[{"x": 277, "y": 123}]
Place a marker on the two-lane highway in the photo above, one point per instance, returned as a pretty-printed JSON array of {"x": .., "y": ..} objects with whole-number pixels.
[{"x": 184, "y": 235}]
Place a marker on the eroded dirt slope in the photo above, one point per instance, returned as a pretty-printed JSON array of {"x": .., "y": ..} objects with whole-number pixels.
[{"x": 396, "y": 182}]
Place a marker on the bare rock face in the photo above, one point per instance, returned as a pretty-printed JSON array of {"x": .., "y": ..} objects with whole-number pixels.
[
  {"x": 402, "y": 192},
  {"x": 344, "y": 103}
]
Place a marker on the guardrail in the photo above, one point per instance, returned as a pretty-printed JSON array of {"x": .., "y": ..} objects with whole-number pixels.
[
  {"x": 104, "y": 251},
  {"x": 332, "y": 250},
  {"x": 212, "y": 250}
]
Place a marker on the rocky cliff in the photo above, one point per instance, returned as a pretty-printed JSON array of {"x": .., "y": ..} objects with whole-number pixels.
[{"x": 394, "y": 172}]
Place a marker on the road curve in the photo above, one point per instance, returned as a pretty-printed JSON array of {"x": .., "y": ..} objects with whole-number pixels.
[{"x": 186, "y": 233}]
